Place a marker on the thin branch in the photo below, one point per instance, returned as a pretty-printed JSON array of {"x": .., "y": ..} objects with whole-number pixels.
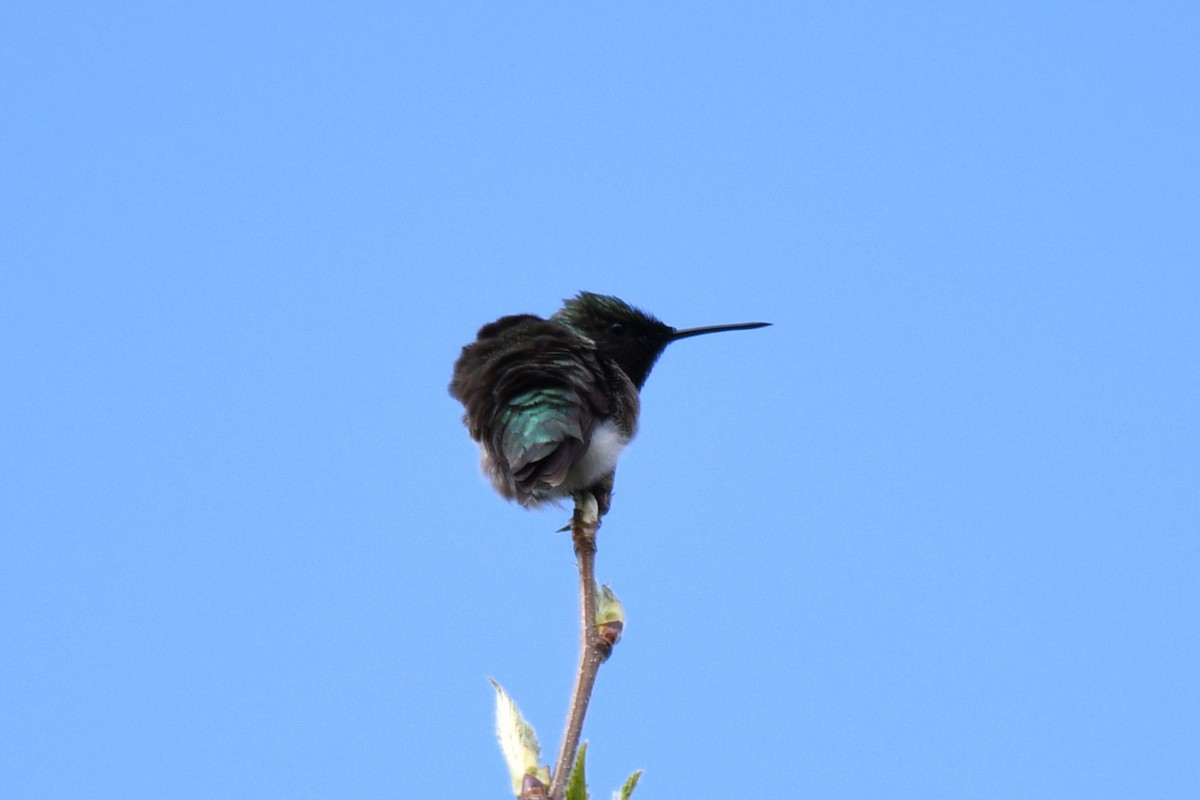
[{"x": 593, "y": 650}]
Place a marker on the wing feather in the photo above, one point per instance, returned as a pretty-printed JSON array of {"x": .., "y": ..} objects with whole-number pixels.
[{"x": 533, "y": 394}]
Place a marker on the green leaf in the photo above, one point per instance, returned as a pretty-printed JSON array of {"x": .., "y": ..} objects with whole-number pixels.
[
  {"x": 627, "y": 789},
  {"x": 577, "y": 786}
]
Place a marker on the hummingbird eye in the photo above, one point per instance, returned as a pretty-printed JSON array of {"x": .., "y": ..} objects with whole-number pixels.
[{"x": 617, "y": 329}]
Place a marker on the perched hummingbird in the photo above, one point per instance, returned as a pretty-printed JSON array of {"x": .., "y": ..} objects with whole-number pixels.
[{"x": 553, "y": 402}]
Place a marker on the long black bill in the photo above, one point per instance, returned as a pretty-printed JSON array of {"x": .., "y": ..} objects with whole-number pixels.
[{"x": 741, "y": 326}]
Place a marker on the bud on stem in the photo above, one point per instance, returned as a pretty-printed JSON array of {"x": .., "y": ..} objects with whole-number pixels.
[{"x": 610, "y": 615}]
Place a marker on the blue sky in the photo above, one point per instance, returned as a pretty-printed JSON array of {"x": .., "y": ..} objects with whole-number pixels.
[{"x": 933, "y": 534}]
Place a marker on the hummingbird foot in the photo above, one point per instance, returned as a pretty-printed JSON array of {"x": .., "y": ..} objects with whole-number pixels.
[
  {"x": 585, "y": 522},
  {"x": 590, "y": 505},
  {"x": 602, "y": 491}
]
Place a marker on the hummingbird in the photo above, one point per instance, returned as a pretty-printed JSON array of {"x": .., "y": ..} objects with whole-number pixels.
[{"x": 553, "y": 402}]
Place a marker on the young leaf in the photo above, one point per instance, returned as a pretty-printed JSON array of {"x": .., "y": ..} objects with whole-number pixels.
[
  {"x": 627, "y": 789},
  {"x": 518, "y": 741},
  {"x": 577, "y": 785}
]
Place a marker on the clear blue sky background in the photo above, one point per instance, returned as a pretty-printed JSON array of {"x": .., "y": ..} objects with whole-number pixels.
[{"x": 934, "y": 534}]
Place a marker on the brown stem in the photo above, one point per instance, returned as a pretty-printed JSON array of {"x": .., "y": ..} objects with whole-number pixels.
[{"x": 593, "y": 650}]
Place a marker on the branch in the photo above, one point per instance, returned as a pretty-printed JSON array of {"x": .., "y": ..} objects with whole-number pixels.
[{"x": 593, "y": 649}]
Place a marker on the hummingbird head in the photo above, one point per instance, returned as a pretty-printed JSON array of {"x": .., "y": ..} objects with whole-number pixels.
[{"x": 627, "y": 335}]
